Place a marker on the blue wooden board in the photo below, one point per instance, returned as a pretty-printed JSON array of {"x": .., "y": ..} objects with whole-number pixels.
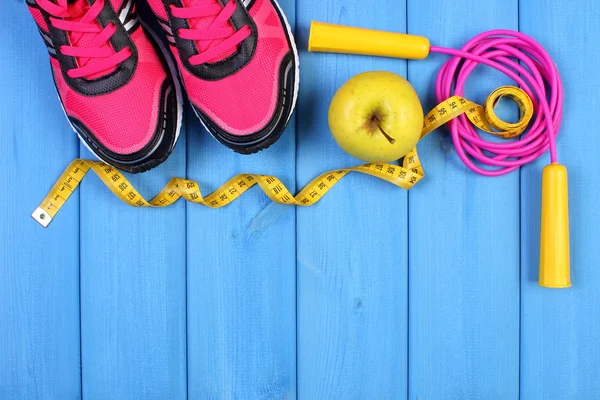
[
  {"x": 352, "y": 245},
  {"x": 560, "y": 350},
  {"x": 374, "y": 293},
  {"x": 463, "y": 236},
  {"x": 39, "y": 269}
]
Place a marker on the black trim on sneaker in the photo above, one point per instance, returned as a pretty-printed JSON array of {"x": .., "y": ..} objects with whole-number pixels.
[
  {"x": 128, "y": 16},
  {"x": 225, "y": 67},
  {"x": 45, "y": 36},
  {"x": 164, "y": 24},
  {"x": 248, "y": 144},
  {"x": 48, "y": 42}
]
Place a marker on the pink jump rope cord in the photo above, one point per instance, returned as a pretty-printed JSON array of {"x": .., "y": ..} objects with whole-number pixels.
[{"x": 504, "y": 50}]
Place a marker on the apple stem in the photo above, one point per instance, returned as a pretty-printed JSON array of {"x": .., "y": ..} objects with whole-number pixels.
[{"x": 383, "y": 132}]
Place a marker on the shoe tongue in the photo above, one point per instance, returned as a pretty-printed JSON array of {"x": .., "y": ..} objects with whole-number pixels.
[
  {"x": 203, "y": 23},
  {"x": 77, "y": 9}
]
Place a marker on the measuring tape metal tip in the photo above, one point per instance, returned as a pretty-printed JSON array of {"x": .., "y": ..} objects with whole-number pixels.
[{"x": 41, "y": 217}]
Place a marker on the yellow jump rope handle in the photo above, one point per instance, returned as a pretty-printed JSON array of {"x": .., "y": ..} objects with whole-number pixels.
[
  {"x": 333, "y": 38},
  {"x": 554, "y": 234}
]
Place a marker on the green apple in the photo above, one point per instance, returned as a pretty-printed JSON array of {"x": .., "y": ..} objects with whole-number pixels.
[{"x": 376, "y": 117}]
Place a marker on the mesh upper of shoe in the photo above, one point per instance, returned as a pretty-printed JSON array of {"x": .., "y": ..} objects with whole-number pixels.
[
  {"x": 39, "y": 19},
  {"x": 123, "y": 120},
  {"x": 245, "y": 102}
]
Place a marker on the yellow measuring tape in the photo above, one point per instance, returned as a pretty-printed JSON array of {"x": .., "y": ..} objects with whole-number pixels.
[{"x": 405, "y": 176}]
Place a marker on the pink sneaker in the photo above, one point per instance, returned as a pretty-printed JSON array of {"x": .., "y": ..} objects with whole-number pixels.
[
  {"x": 111, "y": 79},
  {"x": 239, "y": 65}
]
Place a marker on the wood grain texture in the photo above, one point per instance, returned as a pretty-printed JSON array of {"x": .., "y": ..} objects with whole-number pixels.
[
  {"x": 39, "y": 274},
  {"x": 424, "y": 295},
  {"x": 241, "y": 278},
  {"x": 352, "y": 245},
  {"x": 133, "y": 325},
  {"x": 133, "y": 285},
  {"x": 241, "y": 274},
  {"x": 463, "y": 236},
  {"x": 560, "y": 351}
]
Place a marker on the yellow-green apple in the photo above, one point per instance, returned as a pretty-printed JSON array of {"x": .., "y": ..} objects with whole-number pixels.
[{"x": 376, "y": 117}]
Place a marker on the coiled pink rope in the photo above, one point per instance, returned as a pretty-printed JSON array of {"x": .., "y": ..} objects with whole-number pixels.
[{"x": 527, "y": 63}]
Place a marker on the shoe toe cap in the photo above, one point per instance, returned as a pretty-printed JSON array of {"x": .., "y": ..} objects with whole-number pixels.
[{"x": 136, "y": 137}]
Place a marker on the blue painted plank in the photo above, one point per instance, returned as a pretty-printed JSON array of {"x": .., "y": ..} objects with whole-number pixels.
[
  {"x": 464, "y": 235},
  {"x": 560, "y": 351},
  {"x": 39, "y": 268},
  {"x": 133, "y": 285},
  {"x": 352, "y": 245},
  {"x": 133, "y": 320},
  {"x": 241, "y": 274}
]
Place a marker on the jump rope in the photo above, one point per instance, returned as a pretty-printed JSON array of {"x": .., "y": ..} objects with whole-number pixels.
[
  {"x": 495, "y": 49},
  {"x": 539, "y": 98}
]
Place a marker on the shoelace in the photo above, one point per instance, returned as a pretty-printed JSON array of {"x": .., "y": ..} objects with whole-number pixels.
[
  {"x": 217, "y": 31},
  {"x": 78, "y": 25}
]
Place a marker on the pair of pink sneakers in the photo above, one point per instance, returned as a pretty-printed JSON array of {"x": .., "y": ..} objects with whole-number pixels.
[{"x": 119, "y": 84}]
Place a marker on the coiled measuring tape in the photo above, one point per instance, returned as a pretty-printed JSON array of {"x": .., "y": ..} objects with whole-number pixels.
[{"x": 405, "y": 176}]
